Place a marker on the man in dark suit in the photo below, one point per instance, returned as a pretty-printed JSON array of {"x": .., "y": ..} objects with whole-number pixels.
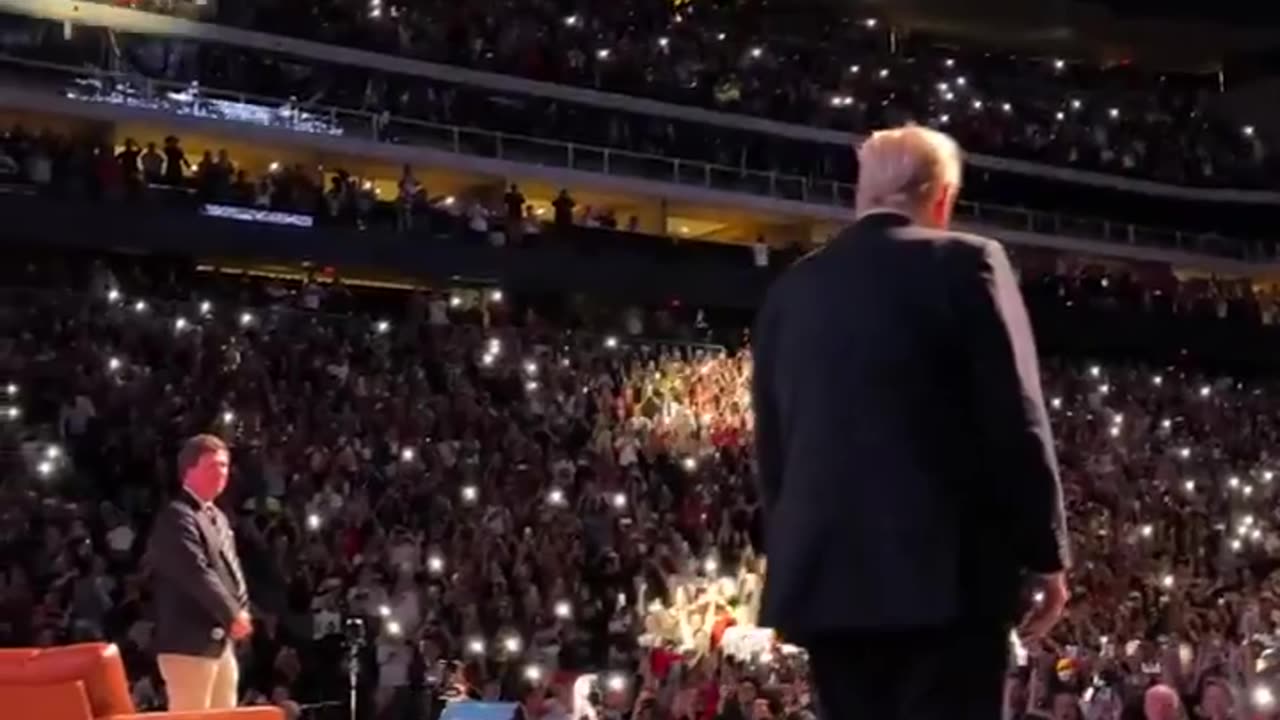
[
  {"x": 906, "y": 463},
  {"x": 201, "y": 601}
]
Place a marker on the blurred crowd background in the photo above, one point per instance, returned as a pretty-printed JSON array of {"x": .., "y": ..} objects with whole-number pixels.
[
  {"x": 514, "y": 493},
  {"x": 819, "y": 64},
  {"x": 549, "y": 499}
]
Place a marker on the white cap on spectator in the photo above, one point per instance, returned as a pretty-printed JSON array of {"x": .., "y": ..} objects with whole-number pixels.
[{"x": 911, "y": 169}]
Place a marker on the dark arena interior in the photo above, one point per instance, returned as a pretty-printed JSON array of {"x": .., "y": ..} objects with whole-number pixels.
[{"x": 467, "y": 289}]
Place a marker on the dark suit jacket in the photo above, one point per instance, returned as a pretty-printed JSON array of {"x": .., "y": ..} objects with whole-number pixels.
[
  {"x": 905, "y": 457},
  {"x": 198, "y": 587}
]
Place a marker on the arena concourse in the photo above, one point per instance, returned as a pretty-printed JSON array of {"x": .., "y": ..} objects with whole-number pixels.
[{"x": 547, "y": 497}]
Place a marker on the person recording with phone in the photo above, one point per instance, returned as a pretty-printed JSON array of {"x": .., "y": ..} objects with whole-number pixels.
[
  {"x": 200, "y": 595},
  {"x": 910, "y": 485}
]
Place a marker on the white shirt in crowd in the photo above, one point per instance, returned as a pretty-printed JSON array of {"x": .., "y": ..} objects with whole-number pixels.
[
  {"x": 393, "y": 662},
  {"x": 404, "y": 555},
  {"x": 76, "y": 417},
  {"x": 120, "y": 538},
  {"x": 40, "y": 168},
  {"x": 407, "y": 609},
  {"x": 760, "y": 253},
  {"x": 478, "y": 219},
  {"x": 438, "y": 312},
  {"x": 311, "y": 296}
]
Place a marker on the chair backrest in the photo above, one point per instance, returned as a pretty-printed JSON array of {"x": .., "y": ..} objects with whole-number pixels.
[
  {"x": 53, "y": 701},
  {"x": 93, "y": 671}
]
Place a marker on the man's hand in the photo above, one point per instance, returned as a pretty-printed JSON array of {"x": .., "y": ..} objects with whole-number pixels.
[
  {"x": 242, "y": 626},
  {"x": 1051, "y": 599}
]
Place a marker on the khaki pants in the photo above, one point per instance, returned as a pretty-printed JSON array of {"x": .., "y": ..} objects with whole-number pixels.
[{"x": 200, "y": 683}]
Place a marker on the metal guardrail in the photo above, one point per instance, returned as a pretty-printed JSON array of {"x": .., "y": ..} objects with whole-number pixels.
[
  {"x": 184, "y": 98},
  {"x": 166, "y": 18}
]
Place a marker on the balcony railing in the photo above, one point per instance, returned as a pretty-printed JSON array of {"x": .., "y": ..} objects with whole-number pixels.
[
  {"x": 175, "y": 20},
  {"x": 101, "y": 86}
]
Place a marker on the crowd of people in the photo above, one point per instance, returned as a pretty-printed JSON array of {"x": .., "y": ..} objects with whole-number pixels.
[
  {"x": 81, "y": 167},
  {"x": 537, "y": 505},
  {"x": 824, "y": 67},
  {"x": 416, "y": 110}
]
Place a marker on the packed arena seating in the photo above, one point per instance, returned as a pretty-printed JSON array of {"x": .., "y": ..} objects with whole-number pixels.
[
  {"x": 395, "y": 106},
  {"x": 512, "y": 493},
  {"x": 516, "y": 491},
  {"x": 818, "y": 64}
]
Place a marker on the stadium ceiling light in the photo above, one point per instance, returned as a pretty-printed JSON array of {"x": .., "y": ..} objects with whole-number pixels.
[
  {"x": 1059, "y": 63},
  {"x": 855, "y": 69},
  {"x": 1247, "y": 130},
  {"x": 757, "y": 52},
  {"x": 870, "y": 23},
  {"x": 884, "y": 73}
]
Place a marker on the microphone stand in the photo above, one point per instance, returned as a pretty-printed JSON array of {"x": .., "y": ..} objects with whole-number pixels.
[{"x": 353, "y": 677}]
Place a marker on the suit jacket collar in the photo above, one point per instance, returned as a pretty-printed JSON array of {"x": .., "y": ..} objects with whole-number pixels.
[
  {"x": 875, "y": 223},
  {"x": 882, "y": 220},
  {"x": 185, "y": 495}
]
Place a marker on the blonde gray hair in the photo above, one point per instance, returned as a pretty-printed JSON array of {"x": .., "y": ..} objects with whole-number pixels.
[{"x": 902, "y": 167}]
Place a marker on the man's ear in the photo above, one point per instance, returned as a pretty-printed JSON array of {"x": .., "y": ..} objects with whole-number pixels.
[{"x": 940, "y": 206}]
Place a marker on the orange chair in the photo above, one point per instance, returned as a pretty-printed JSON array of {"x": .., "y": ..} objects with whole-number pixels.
[{"x": 85, "y": 682}]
